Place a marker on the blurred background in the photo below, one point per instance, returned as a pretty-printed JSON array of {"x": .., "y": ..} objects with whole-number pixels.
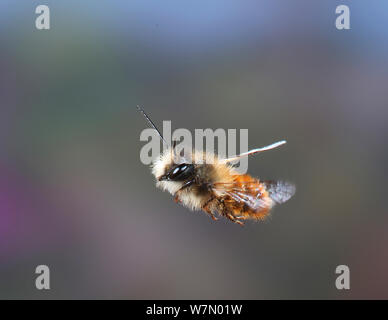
[{"x": 75, "y": 196}]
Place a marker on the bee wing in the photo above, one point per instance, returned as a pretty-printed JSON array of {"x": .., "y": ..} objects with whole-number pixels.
[
  {"x": 254, "y": 201},
  {"x": 279, "y": 191},
  {"x": 257, "y": 195},
  {"x": 250, "y": 152}
]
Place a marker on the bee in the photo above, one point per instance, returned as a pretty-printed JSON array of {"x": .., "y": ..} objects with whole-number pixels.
[{"x": 215, "y": 186}]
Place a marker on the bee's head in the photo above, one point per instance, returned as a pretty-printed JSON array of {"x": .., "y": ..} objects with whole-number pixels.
[
  {"x": 171, "y": 171},
  {"x": 170, "y": 167}
]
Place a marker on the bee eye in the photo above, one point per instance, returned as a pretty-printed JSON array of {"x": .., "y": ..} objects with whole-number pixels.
[
  {"x": 181, "y": 172},
  {"x": 176, "y": 170}
]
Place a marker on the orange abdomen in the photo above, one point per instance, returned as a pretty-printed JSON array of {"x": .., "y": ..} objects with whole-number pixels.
[{"x": 248, "y": 198}]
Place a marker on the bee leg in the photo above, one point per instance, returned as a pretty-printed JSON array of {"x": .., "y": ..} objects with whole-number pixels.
[
  {"x": 234, "y": 219},
  {"x": 238, "y": 220},
  {"x": 206, "y": 208},
  {"x": 210, "y": 213}
]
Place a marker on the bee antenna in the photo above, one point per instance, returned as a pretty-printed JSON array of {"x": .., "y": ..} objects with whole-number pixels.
[{"x": 151, "y": 123}]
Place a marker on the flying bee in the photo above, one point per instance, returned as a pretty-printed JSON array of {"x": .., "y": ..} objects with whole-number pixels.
[{"x": 215, "y": 186}]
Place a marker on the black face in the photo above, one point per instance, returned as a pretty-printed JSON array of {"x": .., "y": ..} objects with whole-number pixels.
[{"x": 179, "y": 172}]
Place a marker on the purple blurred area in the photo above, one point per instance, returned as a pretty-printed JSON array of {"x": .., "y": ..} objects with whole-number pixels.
[{"x": 75, "y": 196}]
